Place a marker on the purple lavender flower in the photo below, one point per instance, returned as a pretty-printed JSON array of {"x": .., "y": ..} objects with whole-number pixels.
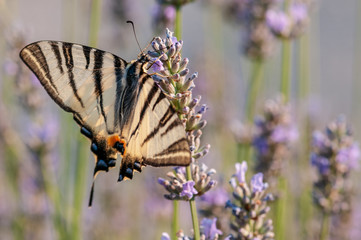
[
  {"x": 209, "y": 228},
  {"x": 299, "y": 12},
  {"x": 188, "y": 189},
  {"x": 165, "y": 236},
  {"x": 278, "y": 22},
  {"x": 321, "y": 163},
  {"x": 241, "y": 169},
  {"x": 217, "y": 197},
  {"x": 257, "y": 183},
  {"x": 157, "y": 65},
  {"x": 284, "y": 134},
  {"x": 349, "y": 156},
  {"x": 249, "y": 209},
  {"x": 335, "y": 155}
]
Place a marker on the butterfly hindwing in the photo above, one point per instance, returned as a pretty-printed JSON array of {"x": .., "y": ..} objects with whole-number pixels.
[{"x": 155, "y": 121}]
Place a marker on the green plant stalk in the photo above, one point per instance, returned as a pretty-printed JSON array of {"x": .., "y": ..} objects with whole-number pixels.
[
  {"x": 325, "y": 226},
  {"x": 94, "y": 23},
  {"x": 192, "y": 204},
  {"x": 80, "y": 186},
  {"x": 254, "y": 87},
  {"x": 52, "y": 191},
  {"x": 286, "y": 69},
  {"x": 280, "y": 209},
  {"x": 305, "y": 203},
  {"x": 255, "y": 83},
  {"x": 178, "y": 23},
  {"x": 175, "y": 219}
]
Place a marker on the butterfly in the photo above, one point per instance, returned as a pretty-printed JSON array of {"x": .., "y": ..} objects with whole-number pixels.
[{"x": 116, "y": 103}]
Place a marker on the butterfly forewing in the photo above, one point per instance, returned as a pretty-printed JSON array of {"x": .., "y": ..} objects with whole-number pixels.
[{"x": 110, "y": 97}]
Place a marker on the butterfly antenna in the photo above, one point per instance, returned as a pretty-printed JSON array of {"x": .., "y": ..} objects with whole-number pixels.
[{"x": 135, "y": 35}]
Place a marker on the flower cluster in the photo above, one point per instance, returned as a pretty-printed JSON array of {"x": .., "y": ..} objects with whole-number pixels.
[
  {"x": 290, "y": 24},
  {"x": 249, "y": 207},
  {"x": 180, "y": 188},
  {"x": 335, "y": 154},
  {"x": 209, "y": 231},
  {"x": 170, "y": 72},
  {"x": 258, "y": 39},
  {"x": 273, "y": 133}
]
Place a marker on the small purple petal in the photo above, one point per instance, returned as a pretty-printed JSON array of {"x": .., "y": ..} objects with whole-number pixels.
[
  {"x": 298, "y": 12},
  {"x": 209, "y": 228},
  {"x": 278, "y": 21},
  {"x": 257, "y": 183},
  {"x": 188, "y": 189},
  {"x": 321, "y": 163},
  {"x": 349, "y": 156},
  {"x": 217, "y": 197},
  {"x": 157, "y": 65},
  {"x": 241, "y": 169},
  {"x": 165, "y": 236}
]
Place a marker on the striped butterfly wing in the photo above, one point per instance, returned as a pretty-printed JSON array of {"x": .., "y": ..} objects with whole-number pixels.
[
  {"x": 119, "y": 107},
  {"x": 86, "y": 82},
  {"x": 155, "y": 135}
]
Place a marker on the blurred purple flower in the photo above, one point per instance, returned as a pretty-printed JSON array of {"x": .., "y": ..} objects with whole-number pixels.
[
  {"x": 349, "y": 156},
  {"x": 261, "y": 144},
  {"x": 217, "y": 197},
  {"x": 165, "y": 236},
  {"x": 321, "y": 163},
  {"x": 188, "y": 189},
  {"x": 319, "y": 140},
  {"x": 298, "y": 12},
  {"x": 43, "y": 134},
  {"x": 257, "y": 183},
  {"x": 278, "y": 22},
  {"x": 283, "y": 134},
  {"x": 241, "y": 169},
  {"x": 209, "y": 228}
]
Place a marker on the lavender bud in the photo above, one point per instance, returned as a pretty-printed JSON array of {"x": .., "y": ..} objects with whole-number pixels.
[{"x": 183, "y": 64}]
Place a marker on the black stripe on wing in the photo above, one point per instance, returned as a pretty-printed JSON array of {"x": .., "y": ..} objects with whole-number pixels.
[
  {"x": 56, "y": 51},
  {"x": 163, "y": 121},
  {"x": 98, "y": 75},
  {"x": 67, "y": 51}
]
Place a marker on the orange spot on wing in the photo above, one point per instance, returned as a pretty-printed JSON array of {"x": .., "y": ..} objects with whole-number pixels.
[{"x": 115, "y": 138}]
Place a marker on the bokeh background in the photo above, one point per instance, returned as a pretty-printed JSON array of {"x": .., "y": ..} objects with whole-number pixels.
[{"x": 44, "y": 184}]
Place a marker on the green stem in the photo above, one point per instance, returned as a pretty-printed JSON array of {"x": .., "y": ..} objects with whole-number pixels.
[
  {"x": 94, "y": 23},
  {"x": 80, "y": 186},
  {"x": 175, "y": 220},
  {"x": 178, "y": 23},
  {"x": 286, "y": 69},
  {"x": 53, "y": 194},
  {"x": 253, "y": 88},
  {"x": 286, "y": 62},
  {"x": 325, "y": 226},
  {"x": 192, "y": 205},
  {"x": 280, "y": 209}
]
